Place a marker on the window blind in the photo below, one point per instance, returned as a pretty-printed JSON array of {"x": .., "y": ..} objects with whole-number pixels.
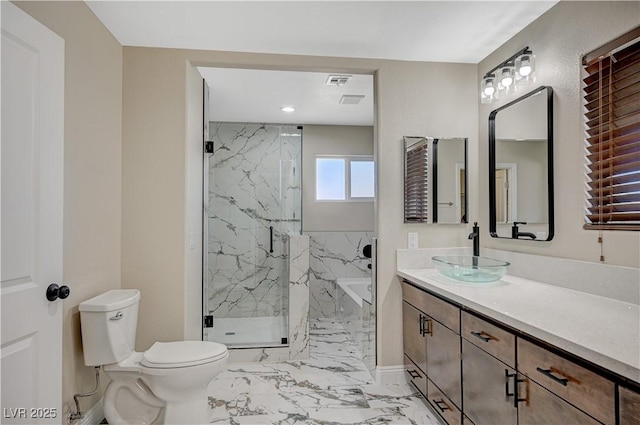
[
  {"x": 416, "y": 176},
  {"x": 612, "y": 117}
]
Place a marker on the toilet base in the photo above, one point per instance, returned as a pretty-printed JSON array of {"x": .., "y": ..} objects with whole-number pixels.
[{"x": 192, "y": 411}]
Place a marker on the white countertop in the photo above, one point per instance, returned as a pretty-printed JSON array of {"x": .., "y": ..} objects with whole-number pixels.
[{"x": 601, "y": 330}]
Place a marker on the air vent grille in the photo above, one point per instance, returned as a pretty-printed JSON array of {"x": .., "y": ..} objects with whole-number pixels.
[
  {"x": 351, "y": 99},
  {"x": 337, "y": 80}
]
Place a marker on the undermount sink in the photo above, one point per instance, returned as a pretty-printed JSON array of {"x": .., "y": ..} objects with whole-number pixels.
[{"x": 467, "y": 268}]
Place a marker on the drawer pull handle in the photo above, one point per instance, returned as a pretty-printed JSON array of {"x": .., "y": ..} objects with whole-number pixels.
[
  {"x": 413, "y": 374},
  {"x": 548, "y": 373},
  {"x": 482, "y": 335},
  {"x": 438, "y": 405}
]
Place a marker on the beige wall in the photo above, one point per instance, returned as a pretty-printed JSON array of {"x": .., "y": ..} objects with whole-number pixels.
[
  {"x": 333, "y": 216},
  {"x": 413, "y": 98},
  {"x": 92, "y": 158},
  {"x": 558, "y": 39}
]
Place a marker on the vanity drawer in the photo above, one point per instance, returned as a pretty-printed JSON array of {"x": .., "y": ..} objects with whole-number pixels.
[
  {"x": 442, "y": 311},
  {"x": 579, "y": 386},
  {"x": 443, "y": 405},
  {"x": 494, "y": 340},
  {"x": 415, "y": 375}
]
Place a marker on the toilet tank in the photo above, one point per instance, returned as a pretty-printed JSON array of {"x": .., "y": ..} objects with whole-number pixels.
[{"x": 108, "y": 324}]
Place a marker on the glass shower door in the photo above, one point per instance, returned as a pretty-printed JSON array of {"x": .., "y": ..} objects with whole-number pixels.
[{"x": 253, "y": 203}]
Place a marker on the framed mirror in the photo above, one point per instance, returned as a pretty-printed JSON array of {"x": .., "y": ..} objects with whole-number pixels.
[
  {"x": 435, "y": 180},
  {"x": 521, "y": 168}
]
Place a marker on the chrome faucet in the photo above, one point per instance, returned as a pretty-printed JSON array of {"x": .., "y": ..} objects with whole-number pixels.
[
  {"x": 475, "y": 235},
  {"x": 515, "y": 233}
]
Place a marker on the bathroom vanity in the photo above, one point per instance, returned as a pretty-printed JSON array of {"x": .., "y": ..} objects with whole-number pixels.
[{"x": 518, "y": 351}]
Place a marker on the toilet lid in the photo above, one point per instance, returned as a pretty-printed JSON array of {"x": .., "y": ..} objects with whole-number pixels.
[{"x": 183, "y": 354}]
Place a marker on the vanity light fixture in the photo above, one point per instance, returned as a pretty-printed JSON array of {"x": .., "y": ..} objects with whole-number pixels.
[
  {"x": 508, "y": 76},
  {"x": 287, "y": 109}
]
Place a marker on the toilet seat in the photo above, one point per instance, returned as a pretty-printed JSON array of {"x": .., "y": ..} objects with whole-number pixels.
[{"x": 178, "y": 354}]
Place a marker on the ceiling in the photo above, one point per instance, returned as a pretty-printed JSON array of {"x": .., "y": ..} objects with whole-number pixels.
[{"x": 436, "y": 31}]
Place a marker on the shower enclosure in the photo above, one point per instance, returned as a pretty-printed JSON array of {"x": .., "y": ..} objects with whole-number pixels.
[{"x": 253, "y": 181}]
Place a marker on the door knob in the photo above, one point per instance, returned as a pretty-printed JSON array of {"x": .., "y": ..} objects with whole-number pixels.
[{"x": 54, "y": 292}]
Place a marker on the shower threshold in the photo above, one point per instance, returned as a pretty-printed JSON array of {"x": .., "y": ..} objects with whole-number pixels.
[{"x": 249, "y": 332}]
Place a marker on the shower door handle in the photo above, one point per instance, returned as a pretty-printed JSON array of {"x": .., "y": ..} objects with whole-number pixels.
[{"x": 271, "y": 239}]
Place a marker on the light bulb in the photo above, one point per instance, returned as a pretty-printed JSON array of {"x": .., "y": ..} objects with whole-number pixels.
[
  {"x": 490, "y": 90},
  {"x": 524, "y": 65},
  {"x": 506, "y": 76}
]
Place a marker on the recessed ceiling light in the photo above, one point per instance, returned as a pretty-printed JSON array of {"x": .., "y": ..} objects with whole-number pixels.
[{"x": 287, "y": 109}]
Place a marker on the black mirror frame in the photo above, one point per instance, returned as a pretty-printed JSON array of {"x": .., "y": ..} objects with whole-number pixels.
[
  {"x": 492, "y": 162},
  {"x": 434, "y": 178}
]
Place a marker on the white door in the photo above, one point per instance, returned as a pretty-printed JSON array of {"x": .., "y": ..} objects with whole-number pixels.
[{"x": 32, "y": 159}]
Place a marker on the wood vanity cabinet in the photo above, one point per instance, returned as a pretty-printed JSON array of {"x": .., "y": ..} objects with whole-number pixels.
[
  {"x": 506, "y": 379},
  {"x": 431, "y": 329}
]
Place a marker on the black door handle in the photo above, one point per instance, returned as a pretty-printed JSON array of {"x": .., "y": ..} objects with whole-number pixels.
[{"x": 54, "y": 292}]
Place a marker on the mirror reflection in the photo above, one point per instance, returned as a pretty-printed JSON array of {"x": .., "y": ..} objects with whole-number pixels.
[
  {"x": 520, "y": 168},
  {"x": 450, "y": 180}
]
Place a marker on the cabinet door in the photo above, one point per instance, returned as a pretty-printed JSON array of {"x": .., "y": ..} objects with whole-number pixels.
[
  {"x": 487, "y": 385},
  {"x": 542, "y": 407},
  {"x": 629, "y": 407},
  {"x": 414, "y": 341},
  {"x": 443, "y": 360}
]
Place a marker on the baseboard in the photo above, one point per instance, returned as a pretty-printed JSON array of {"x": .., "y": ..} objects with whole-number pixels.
[
  {"x": 93, "y": 416},
  {"x": 388, "y": 375}
]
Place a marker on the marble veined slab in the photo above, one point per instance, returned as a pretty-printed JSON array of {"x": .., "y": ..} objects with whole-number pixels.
[{"x": 601, "y": 330}]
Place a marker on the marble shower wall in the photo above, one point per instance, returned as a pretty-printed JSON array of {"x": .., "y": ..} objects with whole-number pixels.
[
  {"x": 334, "y": 255},
  {"x": 254, "y": 183}
]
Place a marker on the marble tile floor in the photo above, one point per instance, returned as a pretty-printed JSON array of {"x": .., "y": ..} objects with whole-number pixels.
[{"x": 332, "y": 388}]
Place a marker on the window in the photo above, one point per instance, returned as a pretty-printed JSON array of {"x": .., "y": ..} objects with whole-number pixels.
[
  {"x": 342, "y": 178},
  {"x": 612, "y": 116}
]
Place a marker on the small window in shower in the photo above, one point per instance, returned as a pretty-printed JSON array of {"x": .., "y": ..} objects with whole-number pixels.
[{"x": 342, "y": 178}]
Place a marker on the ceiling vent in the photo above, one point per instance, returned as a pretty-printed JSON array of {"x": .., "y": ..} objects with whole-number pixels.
[
  {"x": 351, "y": 99},
  {"x": 337, "y": 80}
]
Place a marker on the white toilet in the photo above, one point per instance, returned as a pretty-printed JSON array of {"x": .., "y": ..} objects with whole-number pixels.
[{"x": 165, "y": 384}]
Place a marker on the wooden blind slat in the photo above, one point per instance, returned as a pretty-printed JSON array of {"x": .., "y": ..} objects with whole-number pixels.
[
  {"x": 616, "y": 161},
  {"x": 615, "y": 180},
  {"x": 622, "y": 218},
  {"x": 632, "y": 130},
  {"x": 614, "y": 189},
  {"x": 620, "y": 110},
  {"x": 614, "y": 202},
  {"x": 623, "y": 149},
  {"x": 600, "y": 100},
  {"x": 605, "y": 173}
]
